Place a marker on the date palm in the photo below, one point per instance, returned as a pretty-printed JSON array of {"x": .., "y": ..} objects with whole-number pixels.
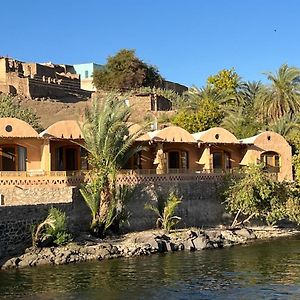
[
  {"x": 282, "y": 96},
  {"x": 109, "y": 143}
]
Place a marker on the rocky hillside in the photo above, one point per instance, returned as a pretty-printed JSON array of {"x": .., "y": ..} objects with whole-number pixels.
[{"x": 53, "y": 110}]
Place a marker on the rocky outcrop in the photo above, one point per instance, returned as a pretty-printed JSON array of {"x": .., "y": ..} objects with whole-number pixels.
[{"x": 134, "y": 244}]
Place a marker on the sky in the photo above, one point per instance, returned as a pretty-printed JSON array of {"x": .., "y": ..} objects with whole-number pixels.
[{"x": 187, "y": 40}]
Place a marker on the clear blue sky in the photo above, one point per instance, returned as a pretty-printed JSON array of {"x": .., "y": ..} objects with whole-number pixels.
[{"x": 187, "y": 40}]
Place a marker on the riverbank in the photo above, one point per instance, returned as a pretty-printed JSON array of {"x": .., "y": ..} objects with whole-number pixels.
[{"x": 86, "y": 247}]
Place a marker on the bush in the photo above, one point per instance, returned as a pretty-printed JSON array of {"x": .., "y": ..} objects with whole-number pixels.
[
  {"x": 54, "y": 228},
  {"x": 254, "y": 194},
  {"x": 165, "y": 211}
]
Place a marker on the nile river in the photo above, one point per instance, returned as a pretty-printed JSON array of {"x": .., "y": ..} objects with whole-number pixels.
[{"x": 262, "y": 270}]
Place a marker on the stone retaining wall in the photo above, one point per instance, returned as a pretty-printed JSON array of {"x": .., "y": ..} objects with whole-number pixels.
[
  {"x": 200, "y": 207},
  {"x": 16, "y": 224},
  {"x": 31, "y": 195}
]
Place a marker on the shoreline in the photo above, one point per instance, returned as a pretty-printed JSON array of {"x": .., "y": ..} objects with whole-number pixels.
[{"x": 143, "y": 243}]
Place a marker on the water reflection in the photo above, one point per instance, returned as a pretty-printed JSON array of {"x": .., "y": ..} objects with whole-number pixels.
[{"x": 268, "y": 270}]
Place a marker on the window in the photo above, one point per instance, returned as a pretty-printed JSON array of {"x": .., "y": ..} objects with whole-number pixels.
[
  {"x": 86, "y": 74},
  {"x": 13, "y": 158},
  {"x": 221, "y": 161},
  {"x": 271, "y": 161}
]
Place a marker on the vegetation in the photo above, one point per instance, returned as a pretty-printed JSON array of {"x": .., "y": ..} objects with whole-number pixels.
[
  {"x": 206, "y": 116},
  {"x": 165, "y": 211},
  {"x": 109, "y": 143},
  {"x": 225, "y": 81},
  {"x": 53, "y": 230},
  {"x": 253, "y": 194},
  {"x": 244, "y": 108},
  {"x": 125, "y": 71},
  {"x": 282, "y": 97},
  {"x": 9, "y": 107}
]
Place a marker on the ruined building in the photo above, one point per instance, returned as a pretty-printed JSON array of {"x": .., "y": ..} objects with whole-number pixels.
[{"x": 36, "y": 80}]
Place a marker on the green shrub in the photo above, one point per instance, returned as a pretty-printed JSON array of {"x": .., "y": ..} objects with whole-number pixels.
[
  {"x": 54, "y": 226},
  {"x": 165, "y": 210}
]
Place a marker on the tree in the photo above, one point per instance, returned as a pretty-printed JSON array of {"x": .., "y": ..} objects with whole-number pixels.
[
  {"x": 239, "y": 123},
  {"x": 282, "y": 96},
  {"x": 254, "y": 194},
  {"x": 10, "y": 108},
  {"x": 225, "y": 81},
  {"x": 109, "y": 143},
  {"x": 125, "y": 71},
  {"x": 206, "y": 116}
]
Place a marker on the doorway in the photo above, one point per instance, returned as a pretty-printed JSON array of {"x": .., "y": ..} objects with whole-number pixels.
[{"x": 174, "y": 160}]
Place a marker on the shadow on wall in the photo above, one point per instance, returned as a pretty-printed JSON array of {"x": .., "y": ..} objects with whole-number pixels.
[{"x": 16, "y": 222}]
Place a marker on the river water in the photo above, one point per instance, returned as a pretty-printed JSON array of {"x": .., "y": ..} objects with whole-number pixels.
[{"x": 262, "y": 270}]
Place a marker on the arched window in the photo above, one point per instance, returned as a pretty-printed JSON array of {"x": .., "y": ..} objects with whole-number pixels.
[{"x": 271, "y": 161}]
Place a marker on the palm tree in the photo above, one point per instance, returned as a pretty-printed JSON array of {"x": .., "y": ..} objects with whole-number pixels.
[
  {"x": 248, "y": 93},
  {"x": 285, "y": 125},
  {"x": 240, "y": 123},
  {"x": 109, "y": 143},
  {"x": 195, "y": 96},
  {"x": 283, "y": 96}
]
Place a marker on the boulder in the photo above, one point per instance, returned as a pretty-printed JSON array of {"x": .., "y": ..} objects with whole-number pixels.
[
  {"x": 11, "y": 263},
  {"x": 200, "y": 243},
  {"x": 102, "y": 253},
  {"x": 230, "y": 235},
  {"x": 245, "y": 233},
  {"x": 162, "y": 245},
  {"x": 188, "y": 245},
  {"x": 27, "y": 260},
  {"x": 45, "y": 241}
]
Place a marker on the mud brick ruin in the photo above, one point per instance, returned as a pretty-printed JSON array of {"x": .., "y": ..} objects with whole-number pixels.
[{"x": 35, "y": 80}]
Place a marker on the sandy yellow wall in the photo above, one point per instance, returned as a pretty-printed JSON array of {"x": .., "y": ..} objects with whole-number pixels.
[
  {"x": 34, "y": 152},
  {"x": 277, "y": 144}
]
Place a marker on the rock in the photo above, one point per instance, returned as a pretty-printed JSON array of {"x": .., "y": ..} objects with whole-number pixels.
[
  {"x": 102, "y": 253},
  {"x": 214, "y": 236},
  {"x": 46, "y": 241},
  {"x": 188, "y": 245},
  {"x": 46, "y": 252},
  {"x": 11, "y": 263},
  {"x": 61, "y": 260},
  {"x": 42, "y": 261},
  {"x": 114, "y": 250},
  {"x": 245, "y": 233},
  {"x": 191, "y": 234},
  {"x": 200, "y": 243},
  {"x": 162, "y": 246},
  {"x": 89, "y": 250},
  {"x": 27, "y": 259},
  {"x": 231, "y": 236}
]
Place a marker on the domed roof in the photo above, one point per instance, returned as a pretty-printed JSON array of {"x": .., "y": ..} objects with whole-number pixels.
[
  {"x": 216, "y": 135},
  {"x": 68, "y": 129},
  {"x": 13, "y": 127},
  {"x": 266, "y": 137},
  {"x": 172, "y": 134}
]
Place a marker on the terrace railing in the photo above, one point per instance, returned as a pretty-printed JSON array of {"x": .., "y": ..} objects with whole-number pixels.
[{"x": 130, "y": 177}]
